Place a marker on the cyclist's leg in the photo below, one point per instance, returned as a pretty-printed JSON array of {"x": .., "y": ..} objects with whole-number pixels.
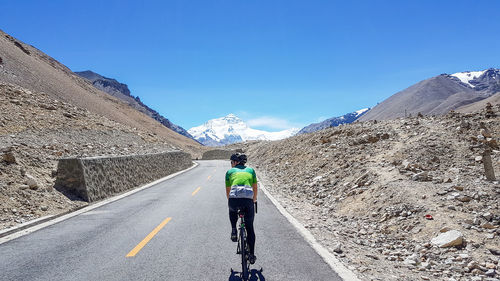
[
  {"x": 249, "y": 216},
  {"x": 233, "y": 216}
]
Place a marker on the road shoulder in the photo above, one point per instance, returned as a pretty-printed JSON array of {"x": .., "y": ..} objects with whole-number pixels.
[{"x": 330, "y": 259}]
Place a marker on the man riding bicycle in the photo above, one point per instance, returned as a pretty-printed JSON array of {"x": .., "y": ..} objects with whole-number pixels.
[{"x": 241, "y": 192}]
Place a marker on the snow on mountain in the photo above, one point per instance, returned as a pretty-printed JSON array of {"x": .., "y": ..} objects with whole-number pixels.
[
  {"x": 361, "y": 111},
  {"x": 333, "y": 122},
  {"x": 231, "y": 129},
  {"x": 467, "y": 76}
]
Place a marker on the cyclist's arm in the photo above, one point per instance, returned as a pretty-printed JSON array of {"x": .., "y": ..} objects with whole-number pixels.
[
  {"x": 228, "y": 185},
  {"x": 254, "y": 187}
]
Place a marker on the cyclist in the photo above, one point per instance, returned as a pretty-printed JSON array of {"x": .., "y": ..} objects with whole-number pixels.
[{"x": 241, "y": 192}]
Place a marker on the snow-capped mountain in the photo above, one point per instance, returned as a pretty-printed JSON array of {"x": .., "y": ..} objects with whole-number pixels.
[
  {"x": 467, "y": 76},
  {"x": 486, "y": 80},
  {"x": 333, "y": 122},
  {"x": 231, "y": 129}
]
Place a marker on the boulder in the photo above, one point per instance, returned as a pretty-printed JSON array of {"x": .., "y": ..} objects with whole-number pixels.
[
  {"x": 31, "y": 182},
  {"x": 494, "y": 251},
  {"x": 448, "y": 239},
  {"x": 9, "y": 157},
  {"x": 422, "y": 176},
  {"x": 490, "y": 273},
  {"x": 338, "y": 248},
  {"x": 463, "y": 198},
  {"x": 486, "y": 133},
  {"x": 488, "y": 226}
]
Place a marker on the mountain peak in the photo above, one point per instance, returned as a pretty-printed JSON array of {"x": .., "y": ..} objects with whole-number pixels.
[
  {"x": 90, "y": 75},
  {"x": 334, "y": 122},
  {"x": 231, "y": 129},
  {"x": 232, "y": 118},
  {"x": 466, "y": 76}
]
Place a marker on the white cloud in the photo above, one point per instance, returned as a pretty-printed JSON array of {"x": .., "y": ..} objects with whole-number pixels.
[{"x": 271, "y": 122}]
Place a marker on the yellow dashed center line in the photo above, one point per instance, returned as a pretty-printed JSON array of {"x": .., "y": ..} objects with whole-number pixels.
[
  {"x": 196, "y": 191},
  {"x": 149, "y": 237},
  {"x": 209, "y": 177}
]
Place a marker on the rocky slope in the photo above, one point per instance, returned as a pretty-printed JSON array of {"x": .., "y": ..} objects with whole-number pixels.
[
  {"x": 121, "y": 91},
  {"x": 26, "y": 66},
  {"x": 438, "y": 95},
  {"x": 378, "y": 194},
  {"x": 35, "y": 131}
]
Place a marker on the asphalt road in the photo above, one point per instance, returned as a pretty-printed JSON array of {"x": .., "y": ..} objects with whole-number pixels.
[{"x": 186, "y": 221}]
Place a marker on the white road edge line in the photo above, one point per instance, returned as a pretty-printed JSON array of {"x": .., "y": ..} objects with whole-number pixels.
[
  {"x": 330, "y": 259},
  {"x": 86, "y": 209}
]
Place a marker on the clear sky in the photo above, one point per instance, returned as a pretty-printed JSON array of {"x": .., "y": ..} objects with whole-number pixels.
[{"x": 274, "y": 63}]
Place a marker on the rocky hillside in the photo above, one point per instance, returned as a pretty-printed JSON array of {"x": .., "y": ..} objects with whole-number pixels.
[
  {"x": 28, "y": 67},
  {"x": 37, "y": 130},
  {"x": 121, "y": 91},
  {"x": 404, "y": 199},
  {"x": 108, "y": 85},
  {"x": 438, "y": 95}
]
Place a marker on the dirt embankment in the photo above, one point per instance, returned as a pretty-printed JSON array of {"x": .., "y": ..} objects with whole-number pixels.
[
  {"x": 376, "y": 193},
  {"x": 35, "y": 131}
]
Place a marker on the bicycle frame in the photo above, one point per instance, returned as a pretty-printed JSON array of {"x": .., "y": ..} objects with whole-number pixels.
[{"x": 242, "y": 247}]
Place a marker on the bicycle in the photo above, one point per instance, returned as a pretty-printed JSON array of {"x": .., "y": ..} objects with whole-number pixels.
[{"x": 242, "y": 247}]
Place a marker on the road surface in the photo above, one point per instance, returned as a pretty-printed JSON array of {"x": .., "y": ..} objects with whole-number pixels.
[{"x": 175, "y": 230}]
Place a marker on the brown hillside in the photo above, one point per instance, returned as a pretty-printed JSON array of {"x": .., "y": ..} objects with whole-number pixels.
[
  {"x": 434, "y": 96},
  {"x": 493, "y": 100},
  {"x": 26, "y": 66}
]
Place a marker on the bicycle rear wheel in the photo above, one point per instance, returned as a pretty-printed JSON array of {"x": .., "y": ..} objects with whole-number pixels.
[{"x": 244, "y": 253}]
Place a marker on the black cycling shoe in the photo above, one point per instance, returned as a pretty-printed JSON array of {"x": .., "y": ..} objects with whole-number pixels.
[
  {"x": 234, "y": 235},
  {"x": 251, "y": 258}
]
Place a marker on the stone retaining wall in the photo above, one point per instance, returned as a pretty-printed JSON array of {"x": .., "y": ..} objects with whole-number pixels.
[
  {"x": 216, "y": 154},
  {"x": 95, "y": 178}
]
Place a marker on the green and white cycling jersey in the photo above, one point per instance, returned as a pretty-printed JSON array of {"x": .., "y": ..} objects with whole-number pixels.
[{"x": 241, "y": 178}]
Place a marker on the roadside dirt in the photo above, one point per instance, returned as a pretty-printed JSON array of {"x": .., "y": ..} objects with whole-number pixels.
[{"x": 364, "y": 190}]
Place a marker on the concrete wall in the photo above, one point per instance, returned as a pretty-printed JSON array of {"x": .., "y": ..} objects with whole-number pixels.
[
  {"x": 216, "y": 154},
  {"x": 95, "y": 178}
]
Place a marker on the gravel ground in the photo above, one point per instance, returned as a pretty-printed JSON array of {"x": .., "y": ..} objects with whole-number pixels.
[{"x": 376, "y": 194}]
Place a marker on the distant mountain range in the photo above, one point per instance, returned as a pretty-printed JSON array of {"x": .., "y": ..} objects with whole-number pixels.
[
  {"x": 231, "y": 129},
  {"x": 438, "y": 95},
  {"x": 333, "y": 122},
  {"x": 121, "y": 91}
]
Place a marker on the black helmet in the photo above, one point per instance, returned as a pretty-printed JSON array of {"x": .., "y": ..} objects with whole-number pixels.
[{"x": 239, "y": 157}]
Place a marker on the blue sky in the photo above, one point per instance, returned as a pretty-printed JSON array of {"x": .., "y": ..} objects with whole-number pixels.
[{"x": 276, "y": 64}]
